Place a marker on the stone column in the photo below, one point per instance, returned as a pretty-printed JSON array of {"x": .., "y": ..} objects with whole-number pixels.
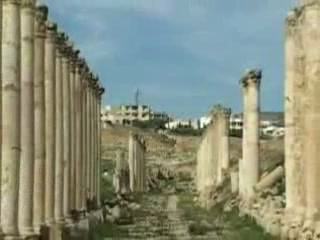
[
  {"x": 89, "y": 138},
  {"x": 11, "y": 112},
  {"x": 131, "y": 160},
  {"x": 66, "y": 129},
  {"x": 59, "y": 140},
  {"x": 310, "y": 35},
  {"x": 225, "y": 157},
  {"x": 84, "y": 116},
  {"x": 94, "y": 140},
  {"x": 0, "y": 105},
  {"x": 73, "y": 59},
  {"x": 27, "y": 119},
  {"x": 78, "y": 134},
  {"x": 39, "y": 121},
  {"x": 101, "y": 91},
  {"x": 294, "y": 114},
  {"x": 51, "y": 128},
  {"x": 251, "y": 84}
]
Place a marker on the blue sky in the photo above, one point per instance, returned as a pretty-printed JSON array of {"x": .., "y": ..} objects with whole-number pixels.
[{"x": 184, "y": 55}]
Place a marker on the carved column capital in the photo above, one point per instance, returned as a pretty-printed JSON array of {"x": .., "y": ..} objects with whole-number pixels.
[
  {"x": 28, "y": 4},
  {"x": 41, "y": 16},
  {"x": 51, "y": 32},
  {"x": 74, "y": 55},
  {"x": 251, "y": 77}
]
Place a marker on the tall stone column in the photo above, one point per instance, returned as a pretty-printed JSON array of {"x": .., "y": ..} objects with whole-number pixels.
[
  {"x": 78, "y": 134},
  {"x": 66, "y": 129},
  {"x": 95, "y": 139},
  {"x": 89, "y": 138},
  {"x": 310, "y": 33},
  {"x": 84, "y": 117},
  {"x": 101, "y": 92},
  {"x": 51, "y": 128},
  {"x": 39, "y": 121},
  {"x": 11, "y": 112},
  {"x": 251, "y": 84},
  {"x": 294, "y": 114},
  {"x": 225, "y": 157},
  {"x": 27, "y": 119},
  {"x": 59, "y": 140},
  {"x": 73, "y": 59},
  {"x": 0, "y": 105}
]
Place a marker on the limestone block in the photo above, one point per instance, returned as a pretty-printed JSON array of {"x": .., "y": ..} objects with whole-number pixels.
[{"x": 234, "y": 181}]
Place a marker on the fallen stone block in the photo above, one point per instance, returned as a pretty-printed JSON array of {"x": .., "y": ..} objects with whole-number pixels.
[{"x": 270, "y": 179}]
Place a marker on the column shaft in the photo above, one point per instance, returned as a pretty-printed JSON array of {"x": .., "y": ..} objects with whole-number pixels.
[
  {"x": 27, "y": 114},
  {"x": 72, "y": 136},
  {"x": 39, "y": 121},
  {"x": 294, "y": 114},
  {"x": 66, "y": 132},
  {"x": 311, "y": 33},
  {"x": 84, "y": 88},
  {"x": 88, "y": 153},
  {"x": 59, "y": 140},
  {"x": 78, "y": 137},
  {"x": 11, "y": 112},
  {"x": 51, "y": 128},
  {"x": 251, "y": 135}
]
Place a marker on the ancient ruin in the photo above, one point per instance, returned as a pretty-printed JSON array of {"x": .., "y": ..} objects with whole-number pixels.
[{"x": 44, "y": 82}]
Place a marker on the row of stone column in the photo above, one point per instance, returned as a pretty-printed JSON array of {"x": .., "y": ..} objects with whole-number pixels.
[
  {"x": 213, "y": 152},
  {"x": 50, "y": 123},
  {"x": 137, "y": 163},
  {"x": 121, "y": 176}
]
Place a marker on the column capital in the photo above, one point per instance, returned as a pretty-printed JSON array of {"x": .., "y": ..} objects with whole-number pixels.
[
  {"x": 101, "y": 91},
  {"x": 251, "y": 77},
  {"x": 51, "y": 31},
  {"x": 74, "y": 56},
  {"x": 27, "y": 3},
  {"x": 41, "y": 17}
]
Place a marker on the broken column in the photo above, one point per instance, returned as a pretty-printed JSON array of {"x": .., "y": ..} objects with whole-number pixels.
[
  {"x": 39, "y": 118},
  {"x": 294, "y": 117},
  {"x": 50, "y": 120},
  {"x": 251, "y": 110},
  {"x": 136, "y": 163},
  {"x": 27, "y": 119},
  {"x": 11, "y": 116},
  {"x": 121, "y": 183}
]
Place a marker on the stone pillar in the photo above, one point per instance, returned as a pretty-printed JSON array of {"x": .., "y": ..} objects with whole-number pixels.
[
  {"x": 225, "y": 157},
  {"x": 294, "y": 114},
  {"x": 27, "y": 119},
  {"x": 251, "y": 84},
  {"x": 66, "y": 129},
  {"x": 89, "y": 138},
  {"x": 11, "y": 112},
  {"x": 51, "y": 128},
  {"x": 78, "y": 134},
  {"x": 0, "y": 105},
  {"x": 101, "y": 91},
  {"x": 94, "y": 140},
  {"x": 39, "y": 121},
  {"x": 84, "y": 116},
  {"x": 131, "y": 155},
  {"x": 59, "y": 140},
  {"x": 72, "y": 94},
  {"x": 310, "y": 35}
]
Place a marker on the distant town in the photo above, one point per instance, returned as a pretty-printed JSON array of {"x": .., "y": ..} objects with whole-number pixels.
[{"x": 271, "y": 123}]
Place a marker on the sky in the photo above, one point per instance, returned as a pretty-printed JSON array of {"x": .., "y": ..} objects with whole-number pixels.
[{"x": 183, "y": 55}]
